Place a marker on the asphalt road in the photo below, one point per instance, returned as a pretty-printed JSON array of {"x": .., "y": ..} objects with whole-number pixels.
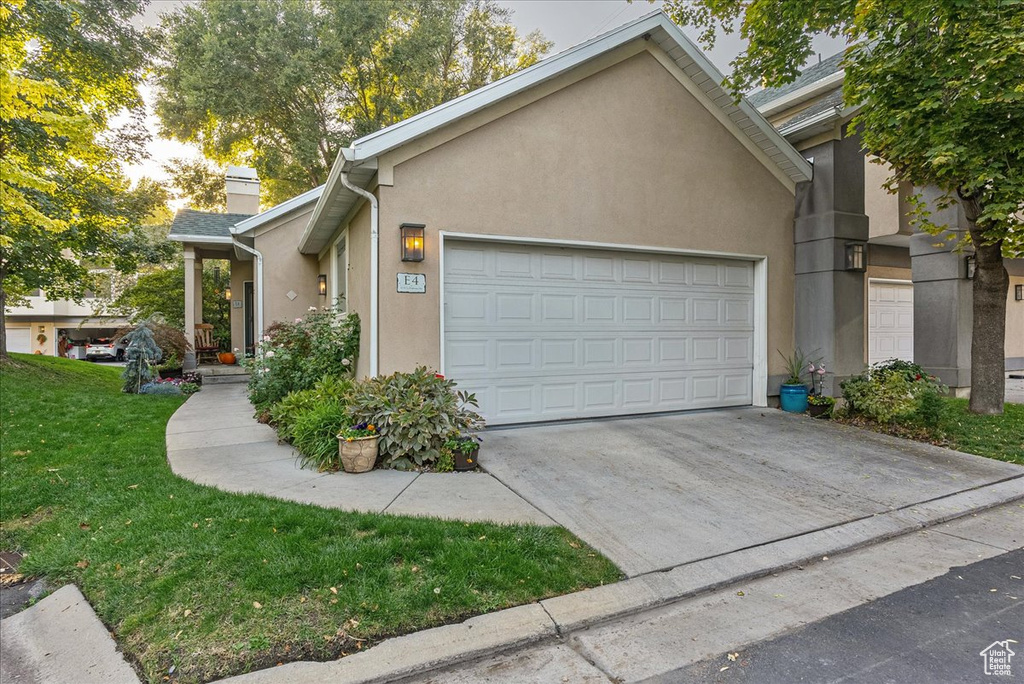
[{"x": 931, "y": 633}]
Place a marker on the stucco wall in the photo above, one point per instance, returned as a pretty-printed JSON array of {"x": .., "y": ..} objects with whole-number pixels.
[
  {"x": 286, "y": 270},
  {"x": 1015, "y": 327},
  {"x": 881, "y": 207},
  {"x": 358, "y": 295},
  {"x": 625, "y": 156},
  {"x": 241, "y": 271}
]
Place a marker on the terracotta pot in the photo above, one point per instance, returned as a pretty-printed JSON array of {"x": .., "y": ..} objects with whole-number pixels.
[
  {"x": 226, "y": 358},
  {"x": 466, "y": 460},
  {"x": 359, "y": 455}
]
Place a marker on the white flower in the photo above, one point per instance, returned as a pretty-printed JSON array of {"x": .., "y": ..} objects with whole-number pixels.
[
  {"x": 269, "y": 354},
  {"x": 312, "y": 308},
  {"x": 298, "y": 320},
  {"x": 345, "y": 362},
  {"x": 266, "y": 338}
]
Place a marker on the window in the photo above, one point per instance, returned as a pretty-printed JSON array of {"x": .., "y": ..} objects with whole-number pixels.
[{"x": 340, "y": 275}]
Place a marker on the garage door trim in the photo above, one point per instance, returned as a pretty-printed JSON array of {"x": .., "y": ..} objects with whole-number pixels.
[{"x": 760, "y": 262}]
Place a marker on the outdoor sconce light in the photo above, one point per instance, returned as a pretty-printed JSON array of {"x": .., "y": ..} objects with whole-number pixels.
[
  {"x": 855, "y": 256},
  {"x": 412, "y": 241},
  {"x": 1018, "y": 292},
  {"x": 321, "y": 284},
  {"x": 227, "y": 293},
  {"x": 969, "y": 265}
]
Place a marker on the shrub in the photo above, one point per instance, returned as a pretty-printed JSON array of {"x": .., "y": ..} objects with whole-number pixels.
[
  {"x": 172, "y": 341},
  {"x": 295, "y": 356},
  {"x": 284, "y": 413},
  {"x": 315, "y": 434},
  {"x": 141, "y": 353},
  {"x": 895, "y": 390},
  {"x": 160, "y": 388},
  {"x": 189, "y": 388},
  {"x": 414, "y": 413}
]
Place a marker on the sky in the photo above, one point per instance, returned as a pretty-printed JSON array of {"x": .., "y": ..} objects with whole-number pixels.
[{"x": 565, "y": 22}]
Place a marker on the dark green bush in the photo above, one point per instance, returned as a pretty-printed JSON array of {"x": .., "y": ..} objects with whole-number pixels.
[
  {"x": 286, "y": 412},
  {"x": 895, "y": 391},
  {"x": 414, "y": 413}
]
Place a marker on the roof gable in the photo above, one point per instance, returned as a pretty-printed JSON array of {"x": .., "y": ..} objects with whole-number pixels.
[{"x": 190, "y": 225}]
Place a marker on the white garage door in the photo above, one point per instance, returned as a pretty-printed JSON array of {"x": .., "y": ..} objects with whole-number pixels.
[
  {"x": 19, "y": 340},
  {"x": 890, "y": 321},
  {"x": 546, "y": 333}
]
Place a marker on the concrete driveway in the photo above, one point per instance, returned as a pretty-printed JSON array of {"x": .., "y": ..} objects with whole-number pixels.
[{"x": 657, "y": 492}]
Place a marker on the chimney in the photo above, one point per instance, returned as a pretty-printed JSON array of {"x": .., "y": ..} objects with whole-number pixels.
[{"x": 243, "y": 190}]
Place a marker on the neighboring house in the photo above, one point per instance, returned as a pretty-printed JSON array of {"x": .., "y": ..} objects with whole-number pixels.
[
  {"x": 917, "y": 295},
  {"x": 35, "y": 326},
  {"x": 606, "y": 232}
]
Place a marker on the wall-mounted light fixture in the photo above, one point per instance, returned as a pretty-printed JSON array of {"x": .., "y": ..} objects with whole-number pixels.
[
  {"x": 321, "y": 284},
  {"x": 227, "y": 293},
  {"x": 856, "y": 256},
  {"x": 412, "y": 241},
  {"x": 1018, "y": 292},
  {"x": 970, "y": 264}
]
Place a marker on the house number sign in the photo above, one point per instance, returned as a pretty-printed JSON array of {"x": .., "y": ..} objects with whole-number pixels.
[{"x": 412, "y": 282}]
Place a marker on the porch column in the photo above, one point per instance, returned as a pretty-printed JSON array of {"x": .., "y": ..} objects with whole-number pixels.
[
  {"x": 189, "y": 362},
  {"x": 943, "y": 299},
  {"x": 198, "y": 275},
  {"x": 830, "y": 299}
]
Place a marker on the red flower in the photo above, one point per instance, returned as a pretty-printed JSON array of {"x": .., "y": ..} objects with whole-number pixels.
[{"x": 438, "y": 375}]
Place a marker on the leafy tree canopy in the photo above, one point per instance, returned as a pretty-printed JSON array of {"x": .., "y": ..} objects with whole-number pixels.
[
  {"x": 199, "y": 182},
  {"x": 66, "y": 68},
  {"x": 284, "y": 84},
  {"x": 940, "y": 85}
]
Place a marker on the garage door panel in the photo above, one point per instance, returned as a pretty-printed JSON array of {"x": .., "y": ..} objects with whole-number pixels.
[
  {"x": 543, "y": 333},
  {"x": 890, "y": 321}
]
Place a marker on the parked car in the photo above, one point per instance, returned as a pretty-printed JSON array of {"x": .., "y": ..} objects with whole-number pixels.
[{"x": 104, "y": 348}]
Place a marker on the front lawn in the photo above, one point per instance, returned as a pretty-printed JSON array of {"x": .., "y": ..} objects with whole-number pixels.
[
  {"x": 199, "y": 584},
  {"x": 998, "y": 437}
]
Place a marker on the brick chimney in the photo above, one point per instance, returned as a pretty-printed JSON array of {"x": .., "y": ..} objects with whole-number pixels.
[{"x": 243, "y": 190}]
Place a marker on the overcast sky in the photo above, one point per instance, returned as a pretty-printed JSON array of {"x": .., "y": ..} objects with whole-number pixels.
[{"x": 565, "y": 22}]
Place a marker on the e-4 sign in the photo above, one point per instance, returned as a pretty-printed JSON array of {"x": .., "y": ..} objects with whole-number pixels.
[{"x": 415, "y": 283}]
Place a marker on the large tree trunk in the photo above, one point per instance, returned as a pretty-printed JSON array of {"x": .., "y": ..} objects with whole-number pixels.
[{"x": 988, "y": 333}]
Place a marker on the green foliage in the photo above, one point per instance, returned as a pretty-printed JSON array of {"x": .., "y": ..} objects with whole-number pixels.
[
  {"x": 170, "y": 339},
  {"x": 141, "y": 352},
  {"x": 894, "y": 390},
  {"x": 67, "y": 68},
  {"x": 316, "y": 434},
  {"x": 797, "y": 364},
  {"x": 445, "y": 462},
  {"x": 295, "y": 356},
  {"x": 199, "y": 182},
  {"x": 286, "y": 412},
  {"x": 161, "y": 292},
  {"x": 164, "y": 388},
  {"x": 189, "y": 388},
  {"x": 100, "y": 461},
  {"x": 284, "y": 84},
  {"x": 414, "y": 413}
]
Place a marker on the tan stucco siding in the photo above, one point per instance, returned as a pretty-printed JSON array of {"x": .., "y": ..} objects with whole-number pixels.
[
  {"x": 286, "y": 270},
  {"x": 881, "y": 206},
  {"x": 1014, "y": 322},
  {"x": 359, "y": 282},
  {"x": 626, "y": 156},
  {"x": 241, "y": 271}
]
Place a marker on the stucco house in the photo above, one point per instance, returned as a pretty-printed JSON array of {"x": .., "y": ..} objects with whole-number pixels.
[{"x": 606, "y": 232}]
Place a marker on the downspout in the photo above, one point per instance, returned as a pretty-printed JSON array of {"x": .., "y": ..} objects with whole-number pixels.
[
  {"x": 374, "y": 267},
  {"x": 259, "y": 279}
]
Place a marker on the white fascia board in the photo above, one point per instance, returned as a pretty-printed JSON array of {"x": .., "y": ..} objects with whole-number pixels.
[
  {"x": 375, "y": 144},
  {"x": 836, "y": 113},
  {"x": 801, "y": 94},
  {"x": 199, "y": 239},
  {"x": 277, "y": 211}
]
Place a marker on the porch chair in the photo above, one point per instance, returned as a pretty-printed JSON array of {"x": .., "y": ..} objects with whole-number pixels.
[{"x": 205, "y": 344}]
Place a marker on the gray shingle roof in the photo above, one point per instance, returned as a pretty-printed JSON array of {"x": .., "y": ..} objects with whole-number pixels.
[
  {"x": 189, "y": 222},
  {"x": 830, "y": 101},
  {"x": 811, "y": 74}
]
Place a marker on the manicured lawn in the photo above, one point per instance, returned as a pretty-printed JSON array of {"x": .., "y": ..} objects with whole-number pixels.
[
  {"x": 998, "y": 437},
  {"x": 215, "y": 584}
]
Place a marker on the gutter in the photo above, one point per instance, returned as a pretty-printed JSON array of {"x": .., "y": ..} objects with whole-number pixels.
[
  {"x": 374, "y": 265},
  {"x": 259, "y": 279}
]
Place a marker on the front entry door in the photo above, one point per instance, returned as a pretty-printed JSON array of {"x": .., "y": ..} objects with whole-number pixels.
[{"x": 247, "y": 300}]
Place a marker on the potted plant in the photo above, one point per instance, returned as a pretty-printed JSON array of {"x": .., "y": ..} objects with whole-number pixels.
[
  {"x": 464, "y": 449},
  {"x": 820, "y": 406},
  {"x": 793, "y": 394},
  {"x": 357, "y": 446}
]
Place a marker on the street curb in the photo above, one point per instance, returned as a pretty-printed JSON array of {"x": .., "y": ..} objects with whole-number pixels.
[{"x": 514, "y": 628}]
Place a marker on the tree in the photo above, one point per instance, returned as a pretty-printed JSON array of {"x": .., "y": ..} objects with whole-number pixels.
[
  {"x": 284, "y": 84},
  {"x": 160, "y": 292},
  {"x": 198, "y": 181},
  {"x": 67, "y": 67},
  {"x": 941, "y": 89}
]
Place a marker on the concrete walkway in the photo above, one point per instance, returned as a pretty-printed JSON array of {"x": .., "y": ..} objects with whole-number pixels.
[{"x": 214, "y": 440}]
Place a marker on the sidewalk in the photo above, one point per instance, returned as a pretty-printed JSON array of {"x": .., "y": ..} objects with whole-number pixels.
[{"x": 214, "y": 440}]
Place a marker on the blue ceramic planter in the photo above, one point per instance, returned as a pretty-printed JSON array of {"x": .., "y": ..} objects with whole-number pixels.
[{"x": 794, "y": 398}]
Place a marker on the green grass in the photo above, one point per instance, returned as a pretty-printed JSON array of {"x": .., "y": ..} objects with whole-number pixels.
[
  {"x": 216, "y": 584},
  {"x": 998, "y": 437}
]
